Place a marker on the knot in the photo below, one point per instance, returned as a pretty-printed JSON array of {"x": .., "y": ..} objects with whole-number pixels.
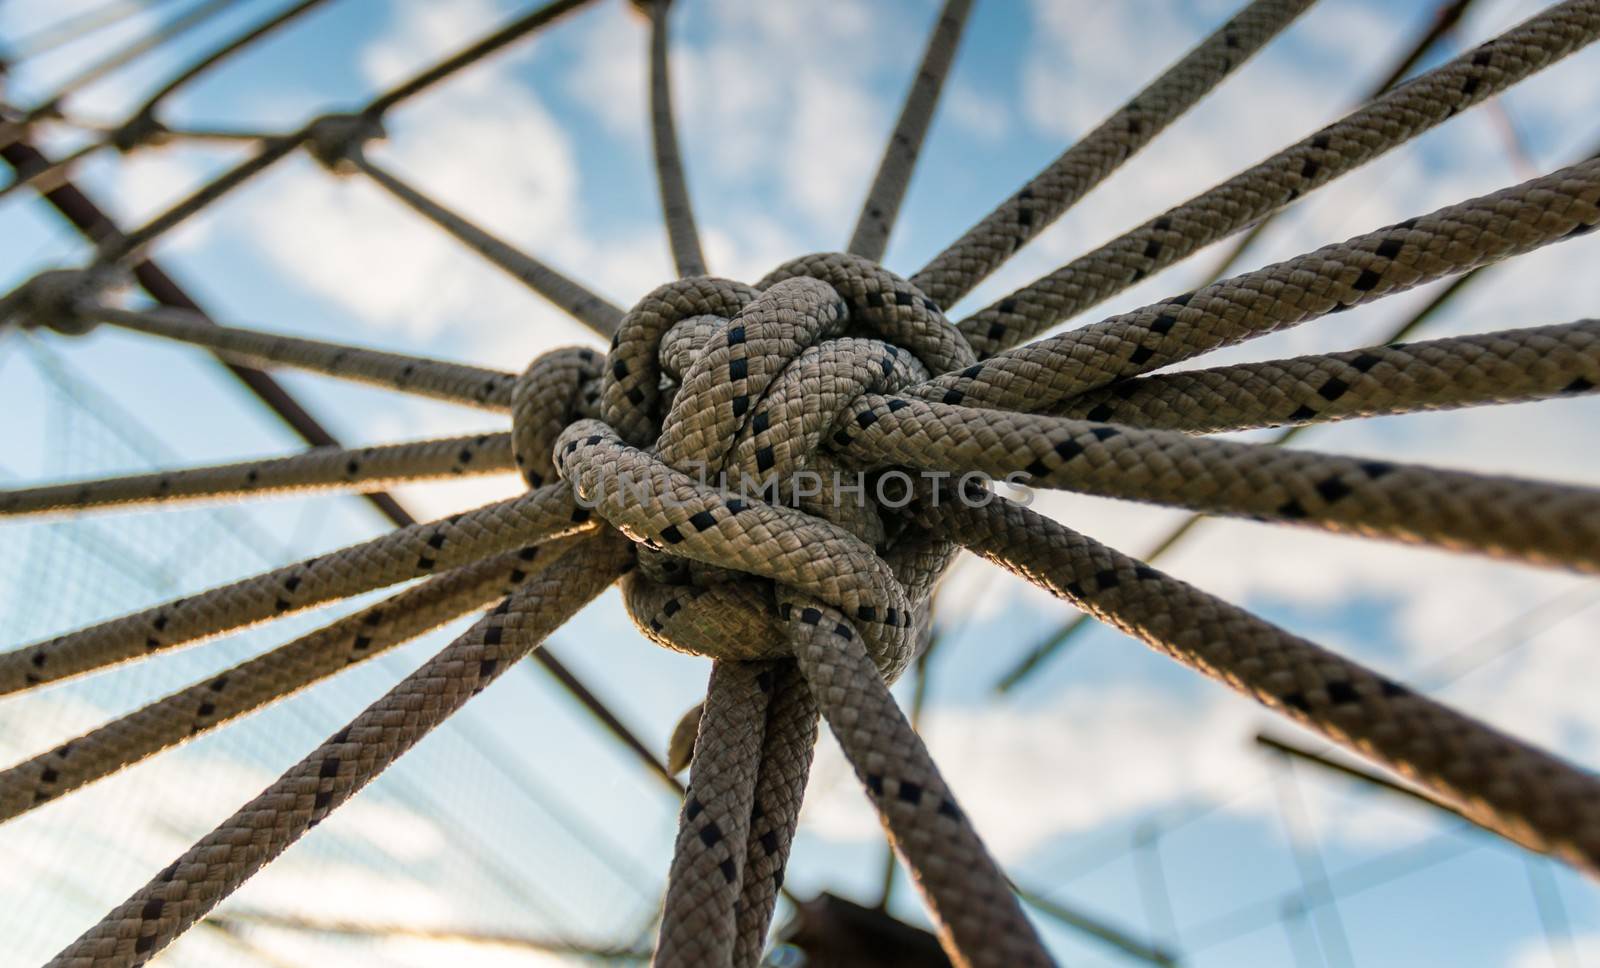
[
  {"x": 339, "y": 141},
  {"x": 716, "y": 406},
  {"x": 558, "y": 388},
  {"x": 140, "y": 131},
  {"x": 55, "y": 299}
]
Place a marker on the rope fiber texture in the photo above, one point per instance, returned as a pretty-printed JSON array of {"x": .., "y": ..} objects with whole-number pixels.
[{"x": 674, "y": 464}]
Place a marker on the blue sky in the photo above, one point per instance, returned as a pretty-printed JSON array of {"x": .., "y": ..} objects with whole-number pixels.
[{"x": 783, "y": 109}]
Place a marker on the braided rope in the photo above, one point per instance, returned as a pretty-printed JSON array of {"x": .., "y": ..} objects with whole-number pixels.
[
  {"x": 364, "y": 468},
  {"x": 266, "y": 826},
  {"x": 452, "y": 382},
  {"x": 365, "y": 124},
  {"x": 577, "y": 301},
  {"x": 812, "y": 605},
  {"x": 1387, "y": 122},
  {"x": 676, "y": 209},
  {"x": 970, "y": 259},
  {"x": 1521, "y": 520},
  {"x": 250, "y": 685},
  {"x": 878, "y": 212},
  {"x": 1476, "y": 232},
  {"x": 413, "y": 552},
  {"x": 1509, "y": 366},
  {"x": 1514, "y": 789}
]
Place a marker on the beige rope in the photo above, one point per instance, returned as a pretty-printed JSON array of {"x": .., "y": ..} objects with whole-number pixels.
[
  {"x": 1391, "y": 120},
  {"x": 581, "y": 304},
  {"x": 977, "y": 916},
  {"x": 455, "y": 382},
  {"x": 670, "y": 178},
  {"x": 813, "y": 603},
  {"x": 1520, "y": 792},
  {"x": 363, "y": 468},
  {"x": 266, "y": 826},
  {"x": 708, "y": 861},
  {"x": 1509, "y": 366},
  {"x": 416, "y": 551},
  {"x": 250, "y": 685},
  {"x": 786, "y": 748},
  {"x": 739, "y": 408},
  {"x": 878, "y": 212},
  {"x": 1472, "y": 233},
  {"x": 970, "y": 259},
  {"x": 1523, "y": 520}
]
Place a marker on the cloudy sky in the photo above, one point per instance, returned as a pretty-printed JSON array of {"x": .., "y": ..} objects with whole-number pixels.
[{"x": 1114, "y": 781}]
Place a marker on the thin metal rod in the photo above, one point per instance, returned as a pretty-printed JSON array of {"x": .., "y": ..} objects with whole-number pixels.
[
  {"x": 878, "y": 212},
  {"x": 53, "y": 175},
  {"x": 577, "y": 300},
  {"x": 675, "y": 205}
]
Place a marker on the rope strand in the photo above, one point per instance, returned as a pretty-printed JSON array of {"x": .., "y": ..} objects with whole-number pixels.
[
  {"x": 1366, "y": 133},
  {"x": 576, "y": 300},
  {"x": 262, "y": 829},
  {"x": 878, "y": 212},
  {"x": 970, "y": 259},
  {"x": 1522, "y": 793},
  {"x": 1509, "y": 366},
  {"x": 1511, "y": 518},
  {"x": 286, "y": 670},
  {"x": 453, "y": 382},
  {"x": 414, "y": 552},
  {"x": 323, "y": 468},
  {"x": 676, "y": 208}
]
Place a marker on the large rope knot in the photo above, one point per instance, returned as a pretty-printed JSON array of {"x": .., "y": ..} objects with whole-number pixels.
[{"x": 716, "y": 405}]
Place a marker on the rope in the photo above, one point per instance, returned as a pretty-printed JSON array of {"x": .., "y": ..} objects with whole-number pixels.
[
  {"x": 593, "y": 311},
  {"x": 362, "y": 468},
  {"x": 677, "y": 211},
  {"x": 405, "y": 553},
  {"x": 1521, "y": 520},
  {"x": 146, "y": 110},
  {"x": 266, "y": 826},
  {"x": 1393, "y": 119},
  {"x": 177, "y": 27},
  {"x": 1509, "y": 366},
  {"x": 878, "y": 212},
  {"x": 811, "y": 605},
  {"x": 1444, "y": 20},
  {"x": 1520, "y": 792},
  {"x": 453, "y": 382},
  {"x": 250, "y": 685},
  {"x": 131, "y": 246},
  {"x": 969, "y": 260},
  {"x": 512, "y": 32},
  {"x": 367, "y": 125},
  {"x": 76, "y": 28},
  {"x": 1334, "y": 278},
  {"x": 1063, "y": 635}
]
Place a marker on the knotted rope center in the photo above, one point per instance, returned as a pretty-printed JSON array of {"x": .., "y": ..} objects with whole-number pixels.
[{"x": 703, "y": 436}]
